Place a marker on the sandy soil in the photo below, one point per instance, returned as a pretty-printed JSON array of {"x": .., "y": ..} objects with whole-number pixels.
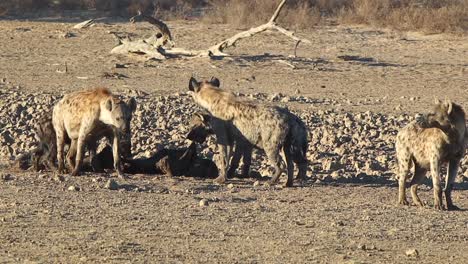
[{"x": 155, "y": 219}]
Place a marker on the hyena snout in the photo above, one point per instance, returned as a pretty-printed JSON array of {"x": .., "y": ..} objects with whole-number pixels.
[
  {"x": 200, "y": 128},
  {"x": 120, "y": 114},
  {"x": 199, "y": 134}
]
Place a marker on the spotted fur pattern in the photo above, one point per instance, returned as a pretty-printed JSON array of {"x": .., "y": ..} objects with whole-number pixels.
[
  {"x": 262, "y": 126},
  {"x": 85, "y": 116},
  {"x": 440, "y": 139}
]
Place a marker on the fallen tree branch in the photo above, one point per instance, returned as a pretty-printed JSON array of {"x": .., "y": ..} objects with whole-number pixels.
[
  {"x": 162, "y": 46},
  {"x": 165, "y": 32},
  {"x": 217, "y": 50}
]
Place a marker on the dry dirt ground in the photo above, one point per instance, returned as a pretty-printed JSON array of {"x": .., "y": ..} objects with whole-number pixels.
[{"x": 155, "y": 219}]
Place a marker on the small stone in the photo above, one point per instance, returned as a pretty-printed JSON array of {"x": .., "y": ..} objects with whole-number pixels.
[
  {"x": 256, "y": 183},
  {"x": 203, "y": 202},
  {"x": 412, "y": 252},
  {"x": 59, "y": 178},
  {"x": 6, "y": 177},
  {"x": 74, "y": 188},
  {"x": 230, "y": 186},
  {"x": 111, "y": 184}
]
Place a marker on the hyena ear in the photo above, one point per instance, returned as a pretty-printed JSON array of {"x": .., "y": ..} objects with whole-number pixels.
[
  {"x": 215, "y": 82},
  {"x": 132, "y": 104},
  {"x": 109, "y": 104},
  {"x": 448, "y": 105},
  {"x": 194, "y": 86}
]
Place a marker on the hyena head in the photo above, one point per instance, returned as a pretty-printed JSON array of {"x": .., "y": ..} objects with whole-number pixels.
[
  {"x": 118, "y": 114},
  {"x": 196, "y": 88},
  {"x": 200, "y": 128},
  {"x": 448, "y": 116}
]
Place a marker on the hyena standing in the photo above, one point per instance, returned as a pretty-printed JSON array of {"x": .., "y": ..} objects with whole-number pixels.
[
  {"x": 264, "y": 127},
  {"x": 85, "y": 115},
  {"x": 46, "y": 151},
  {"x": 202, "y": 125},
  {"x": 441, "y": 139}
]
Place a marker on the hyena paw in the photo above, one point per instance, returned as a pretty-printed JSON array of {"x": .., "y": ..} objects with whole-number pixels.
[
  {"x": 122, "y": 176},
  {"x": 453, "y": 208},
  {"x": 75, "y": 173},
  {"x": 270, "y": 183},
  {"x": 438, "y": 206},
  {"x": 288, "y": 184},
  {"x": 220, "y": 180},
  {"x": 403, "y": 202}
]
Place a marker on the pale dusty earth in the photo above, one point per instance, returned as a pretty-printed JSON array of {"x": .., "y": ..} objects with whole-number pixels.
[{"x": 156, "y": 219}]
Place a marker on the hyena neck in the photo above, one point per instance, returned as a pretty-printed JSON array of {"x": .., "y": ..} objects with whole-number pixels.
[{"x": 227, "y": 107}]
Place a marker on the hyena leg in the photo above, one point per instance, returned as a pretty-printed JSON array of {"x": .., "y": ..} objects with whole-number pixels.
[
  {"x": 417, "y": 179},
  {"x": 435, "y": 173},
  {"x": 287, "y": 157},
  {"x": 60, "y": 145},
  {"x": 116, "y": 155},
  {"x": 71, "y": 154},
  {"x": 165, "y": 167},
  {"x": 96, "y": 165},
  {"x": 223, "y": 167},
  {"x": 302, "y": 163},
  {"x": 451, "y": 175},
  {"x": 51, "y": 155},
  {"x": 247, "y": 161},
  {"x": 403, "y": 169},
  {"x": 234, "y": 163},
  {"x": 80, "y": 145},
  {"x": 275, "y": 160},
  {"x": 243, "y": 151},
  {"x": 302, "y": 171},
  {"x": 36, "y": 157}
]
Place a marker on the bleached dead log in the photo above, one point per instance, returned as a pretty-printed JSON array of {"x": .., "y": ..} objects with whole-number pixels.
[
  {"x": 162, "y": 46},
  {"x": 152, "y": 47},
  {"x": 84, "y": 24},
  {"x": 217, "y": 50},
  {"x": 166, "y": 35}
]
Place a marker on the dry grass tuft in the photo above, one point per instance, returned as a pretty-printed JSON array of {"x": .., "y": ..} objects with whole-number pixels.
[
  {"x": 244, "y": 13},
  {"x": 434, "y": 16}
]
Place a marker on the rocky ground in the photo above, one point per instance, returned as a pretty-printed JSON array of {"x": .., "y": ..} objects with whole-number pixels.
[{"x": 353, "y": 87}]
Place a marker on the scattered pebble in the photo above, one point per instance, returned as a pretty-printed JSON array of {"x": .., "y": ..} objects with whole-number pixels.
[
  {"x": 203, "y": 202},
  {"x": 412, "y": 252},
  {"x": 111, "y": 184},
  {"x": 59, "y": 178},
  {"x": 74, "y": 188},
  {"x": 6, "y": 177}
]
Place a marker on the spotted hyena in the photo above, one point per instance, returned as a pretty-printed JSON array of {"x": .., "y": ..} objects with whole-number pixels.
[
  {"x": 43, "y": 156},
  {"x": 87, "y": 115},
  {"x": 427, "y": 145},
  {"x": 262, "y": 126},
  {"x": 203, "y": 125}
]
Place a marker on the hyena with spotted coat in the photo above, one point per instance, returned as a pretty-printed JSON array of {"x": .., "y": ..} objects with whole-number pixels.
[
  {"x": 262, "y": 126},
  {"x": 85, "y": 116},
  {"x": 427, "y": 145},
  {"x": 203, "y": 125}
]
